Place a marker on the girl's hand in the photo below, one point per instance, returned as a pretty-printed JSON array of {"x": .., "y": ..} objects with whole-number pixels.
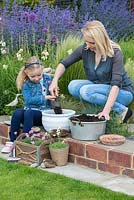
[{"x": 50, "y": 97}]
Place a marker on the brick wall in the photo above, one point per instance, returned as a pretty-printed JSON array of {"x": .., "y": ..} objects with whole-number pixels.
[{"x": 100, "y": 157}]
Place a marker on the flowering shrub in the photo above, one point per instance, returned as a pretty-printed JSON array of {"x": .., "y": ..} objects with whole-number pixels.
[
  {"x": 25, "y": 27},
  {"x": 36, "y": 138}
]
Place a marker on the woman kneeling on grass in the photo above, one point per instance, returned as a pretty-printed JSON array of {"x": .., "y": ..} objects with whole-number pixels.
[
  {"x": 107, "y": 83},
  {"x": 34, "y": 85}
]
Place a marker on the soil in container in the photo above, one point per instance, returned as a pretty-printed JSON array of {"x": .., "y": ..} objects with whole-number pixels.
[
  {"x": 87, "y": 118},
  {"x": 57, "y": 107}
]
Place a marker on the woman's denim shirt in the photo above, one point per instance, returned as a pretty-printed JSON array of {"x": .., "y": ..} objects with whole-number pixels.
[
  {"x": 33, "y": 94},
  {"x": 110, "y": 72}
]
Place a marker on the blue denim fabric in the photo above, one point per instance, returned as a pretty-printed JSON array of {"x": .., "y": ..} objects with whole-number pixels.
[
  {"x": 98, "y": 94},
  {"x": 33, "y": 96},
  {"x": 28, "y": 118}
]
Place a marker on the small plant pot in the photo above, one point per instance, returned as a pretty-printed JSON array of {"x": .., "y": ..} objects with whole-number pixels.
[{"x": 59, "y": 156}]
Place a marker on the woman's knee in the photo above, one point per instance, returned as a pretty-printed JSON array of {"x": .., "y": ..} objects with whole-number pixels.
[
  {"x": 72, "y": 87},
  {"x": 75, "y": 85}
]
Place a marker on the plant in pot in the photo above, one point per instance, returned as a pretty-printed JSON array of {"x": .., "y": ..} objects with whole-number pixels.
[{"x": 59, "y": 149}]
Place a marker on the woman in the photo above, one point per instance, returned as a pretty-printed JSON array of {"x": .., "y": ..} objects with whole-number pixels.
[{"x": 107, "y": 83}]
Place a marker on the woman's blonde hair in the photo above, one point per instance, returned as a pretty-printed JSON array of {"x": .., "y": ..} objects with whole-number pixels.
[
  {"x": 96, "y": 30},
  {"x": 32, "y": 63}
]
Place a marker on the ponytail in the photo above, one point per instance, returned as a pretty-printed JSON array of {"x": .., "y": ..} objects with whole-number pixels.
[{"x": 21, "y": 78}]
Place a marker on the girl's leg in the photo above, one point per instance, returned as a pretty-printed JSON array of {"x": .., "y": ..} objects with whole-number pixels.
[
  {"x": 98, "y": 94},
  {"x": 31, "y": 118},
  {"x": 17, "y": 119},
  {"x": 75, "y": 85}
]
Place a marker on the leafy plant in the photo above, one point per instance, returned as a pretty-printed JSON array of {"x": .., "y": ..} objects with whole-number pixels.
[{"x": 60, "y": 143}]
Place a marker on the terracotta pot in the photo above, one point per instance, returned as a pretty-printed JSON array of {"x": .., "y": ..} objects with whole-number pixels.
[{"x": 59, "y": 156}]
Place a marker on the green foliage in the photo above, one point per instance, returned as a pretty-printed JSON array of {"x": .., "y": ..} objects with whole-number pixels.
[
  {"x": 129, "y": 66},
  {"x": 58, "y": 145},
  {"x": 127, "y": 49},
  {"x": 37, "y": 142}
]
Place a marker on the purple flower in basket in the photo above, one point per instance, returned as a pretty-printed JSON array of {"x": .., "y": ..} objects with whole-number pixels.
[{"x": 32, "y": 142}]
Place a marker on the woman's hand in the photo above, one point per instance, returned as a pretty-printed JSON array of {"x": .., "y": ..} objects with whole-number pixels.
[
  {"x": 50, "y": 97},
  {"x": 104, "y": 115},
  {"x": 53, "y": 88},
  {"x": 110, "y": 102}
]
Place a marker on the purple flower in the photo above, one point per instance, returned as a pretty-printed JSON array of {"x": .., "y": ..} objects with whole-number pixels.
[
  {"x": 32, "y": 17},
  {"x": 41, "y": 41},
  {"x": 45, "y": 30},
  {"x": 53, "y": 38},
  {"x": 32, "y": 142}
]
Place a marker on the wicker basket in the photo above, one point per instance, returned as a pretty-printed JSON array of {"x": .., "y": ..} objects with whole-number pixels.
[{"x": 30, "y": 153}]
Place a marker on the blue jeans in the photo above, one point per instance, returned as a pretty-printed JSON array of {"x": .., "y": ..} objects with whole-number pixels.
[
  {"x": 28, "y": 118},
  {"x": 98, "y": 94}
]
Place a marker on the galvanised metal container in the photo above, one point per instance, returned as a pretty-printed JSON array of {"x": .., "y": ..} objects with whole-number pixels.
[{"x": 86, "y": 130}]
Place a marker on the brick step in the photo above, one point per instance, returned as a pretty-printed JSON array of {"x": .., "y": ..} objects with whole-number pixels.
[{"x": 114, "y": 159}]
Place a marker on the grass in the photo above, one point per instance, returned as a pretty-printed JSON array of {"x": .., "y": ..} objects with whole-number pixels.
[{"x": 21, "y": 182}]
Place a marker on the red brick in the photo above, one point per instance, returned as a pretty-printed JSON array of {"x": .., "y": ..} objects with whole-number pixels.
[
  {"x": 86, "y": 162},
  {"x": 76, "y": 147},
  {"x": 108, "y": 168},
  {"x": 4, "y": 130},
  {"x": 133, "y": 161},
  {"x": 118, "y": 158},
  {"x": 96, "y": 152},
  {"x": 128, "y": 172},
  {"x": 71, "y": 158}
]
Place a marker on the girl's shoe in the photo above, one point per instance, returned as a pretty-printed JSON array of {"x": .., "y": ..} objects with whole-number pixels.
[{"x": 7, "y": 148}]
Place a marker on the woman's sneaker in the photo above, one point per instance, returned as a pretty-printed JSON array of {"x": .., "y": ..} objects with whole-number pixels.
[{"x": 126, "y": 115}]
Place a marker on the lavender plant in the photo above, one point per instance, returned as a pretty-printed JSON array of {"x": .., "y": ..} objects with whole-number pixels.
[
  {"x": 25, "y": 27},
  {"x": 115, "y": 15}
]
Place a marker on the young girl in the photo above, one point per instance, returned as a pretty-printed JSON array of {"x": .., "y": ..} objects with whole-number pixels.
[{"x": 34, "y": 85}]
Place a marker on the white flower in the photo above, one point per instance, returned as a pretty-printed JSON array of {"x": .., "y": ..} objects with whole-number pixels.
[
  {"x": 5, "y": 67},
  {"x": 3, "y": 51},
  {"x": 44, "y": 57},
  {"x": 20, "y": 51},
  {"x": 45, "y": 53},
  {"x": 69, "y": 51},
  {"x": 3, "y": 44},
  {"x": 19, "y": 57}
]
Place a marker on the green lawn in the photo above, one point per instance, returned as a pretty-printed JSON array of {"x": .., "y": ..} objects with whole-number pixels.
[{"x": 20, "y": 182}]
